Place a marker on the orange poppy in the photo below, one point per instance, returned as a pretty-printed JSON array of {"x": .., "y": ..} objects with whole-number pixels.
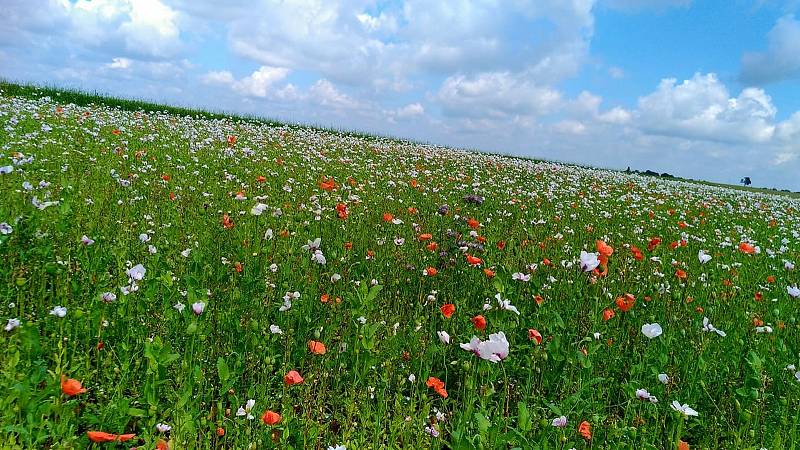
[
  {"x": 437, "y": 385},
  {"x": 474, "y": 260},
  {"x": 271, "y": 418},
  {"x": 681, "y": 274},
  {"x": 71, "y": 386},
  {"x": 474, "y": 224},
  {"x": 425, "y": 237},
  {"x": 683, "y": 445},
  {"x": 232, "y": 140},
  {"x": 341, "y": 210},
  {"x": 534, "y": 335},
  {"x": 432, "y": 246},
  {"x": 448, "y": 310},
  {"x": 327, "y": 184},
  {"x": 102, "y": 436},
  {"x": 388, "y": 217},
  {"x": 744, "y": 247},
  {"x": 585, "y": 430},
  {"x": 489, "y": 273},
  {"x": 653, "y": 243},
  {"x": 608, "y": 314},
  {"x": 501, "y": 245},
  {"x": 626, "y": 302},
  {"x": 479, "y": 321},
  {"x": 162, "y": 445},
  {"x": 227, "y": 223},
  {"x": 220, "y": 431},
  {"x": 431, "y": 271},
  {"x": 261, "y": 178},
  {"x": 316, "y": 347},
  {"x": 292, "y": 378}
]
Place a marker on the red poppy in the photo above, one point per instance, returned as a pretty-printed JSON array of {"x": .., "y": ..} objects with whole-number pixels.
[
  {"x": 220, "y": 431},
  {"x": 489, "y": 273},
  {"x": 292, "y": 378},
  {"x": 437, "y": 385},
  {"x": 653, "y": 243},
  {"x": 744, "y": 247},
  {"x": 388, "y": 217},
  {"x": 261, "y": 178},
  {"x": 341, "y": 210},
  {"x": 227, "y": 223},
  {"x": 165, "y": 177},
  {"x": 608, "y": 314},
  {"x": 501, "y": 245},
  {"x": 431, "y": 271},
  {"x": 271, "y": 418},
  {"x": 432, "y": 246},
  {"x": 102, "y": 436},
  {"x": 316, "y": 347},
  {"x": 448, "y": 310},
  {"x": 626, "y": 302},
  {"x": 585, "y": 430},
  {"x": 534, "y": 335},
  {"x": 474, "y": 260},
  {"x": 681, "y": 274},
  {"x": 479, "y": 322},
  {"x": 637, "y": 254},
  {"x": 474, "y": 224},
  {"x": 425, "y": 237},
  {"x": 327, "y": 184},
  {"x": 232, "y": 140},
  {"x": 71, "y": 386}
]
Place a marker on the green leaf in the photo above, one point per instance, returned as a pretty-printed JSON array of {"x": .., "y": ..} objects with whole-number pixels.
[{"x": 222, "y": 370}]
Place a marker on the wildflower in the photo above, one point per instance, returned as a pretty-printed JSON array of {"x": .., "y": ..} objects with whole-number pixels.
[
  {"x": 271, "y": 418},
  {"x": 179, "y": 307},
  {"x": 651, "y": 330},
  {"x": 71, "y": 386},
  {"x": 443, "y": 336},
  {"x": 589, "y": 261},
  {"x": 608, "y": 314},
  {"x": 708, "y": 327},
  {"x": 102, "y": 436},
  {"x": 85, "y": 240},
  {"x": 247, "y": 409},
  {"x": 317, "y": 348},
  {"x": 5, "y": 228},
  {"x": 519, "y": 276},
  {"x": 585, "y": 430},
  {"x": 494, "y": 349},
  {"x": 479, "y": 322},
  {"x": 793, "y": 291},
  {"x": 534, "y": 335},
  {"x": 274, "y": 329},
  {"x": 198, "y": 308},
  {"x": 505, "y": 304},
  {"x": 108, "y": 297},
  {"x": 136, "y": 273},
  {"x": 642, "y": 394},
  {"x": 683, "y": 409},
  {"x": 292, "y": 378},
  {"x": 746, "y": 248},
  {"x": 258, "y": 209},
  {"x": 448, "y": 310},
  {"x": 162, "y": 427},
  {"x": 437, "y": 385},
  {"x": 12, "y": 324},
  {"x": 560, "y": 422},
  {"x": 663, "y": 378},
  {"x": 58, "y": 311},
  {"x": 430, "y": 272},
  {"x": 626, "y": 302},
  {"x": 703, "y": 256}
]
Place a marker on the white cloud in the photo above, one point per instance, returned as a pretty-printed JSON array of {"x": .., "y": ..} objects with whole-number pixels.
[
  {"x": 119, "y": 63},
  {"x": 257, "y": 84},
  {"x": 326, "y": 94},
  {"x": 495, "y": 94},
  {"x": 781, "y": 60},
  {"x": 570, "y": 127},
  {"x": 410, "y": 110},
  {"x": 616, "y": 73},
  {"x": 702, "y": 108}
]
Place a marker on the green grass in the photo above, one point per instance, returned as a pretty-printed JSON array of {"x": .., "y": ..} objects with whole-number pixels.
[{"x": 113, "y": 170}]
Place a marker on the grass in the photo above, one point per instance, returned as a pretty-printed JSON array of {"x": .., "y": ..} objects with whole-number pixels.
[{"x": 222, "y": 212}]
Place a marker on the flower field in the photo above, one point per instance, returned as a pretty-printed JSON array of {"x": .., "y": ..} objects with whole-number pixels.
[{"x": 178, "y": 282}]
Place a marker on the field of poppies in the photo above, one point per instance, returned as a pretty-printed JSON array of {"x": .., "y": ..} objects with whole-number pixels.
[{"x": 177, "y": 281}]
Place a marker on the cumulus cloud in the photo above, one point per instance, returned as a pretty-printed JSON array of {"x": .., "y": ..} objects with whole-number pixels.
[
  {"x": 702, "y": 108},
  {"x": 781, "y": 59},
  {"x": 257, "y": 84}
]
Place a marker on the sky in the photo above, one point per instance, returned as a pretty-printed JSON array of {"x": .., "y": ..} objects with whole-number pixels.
[{"x": 702, "y": 89}]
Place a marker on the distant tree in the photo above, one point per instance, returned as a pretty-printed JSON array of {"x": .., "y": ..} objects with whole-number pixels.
[{"x": 745, "y": 181}]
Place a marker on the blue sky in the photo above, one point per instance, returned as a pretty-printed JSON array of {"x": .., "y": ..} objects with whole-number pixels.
[{"x": 701, "y": 89}]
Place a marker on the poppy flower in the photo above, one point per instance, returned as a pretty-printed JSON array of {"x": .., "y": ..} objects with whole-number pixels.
[
  {"x": 388, "y": 217},
  {"x": 538, "y": 299},
  {"x": 479, "y": 322},
  {"x": 534, "y": 335},
  {"x": 474, "y": 260},
  {"x": 474, "y": 224},
  {"x": 292, "y": 378},
  {"x": 448, "y": 310},
  {"x": 626, "y": 302},
  {"x": 489, "y": 273},
  {"x": 430, "y": 272},
  {"x": 653, "y": 243},
  {"x": 437, "y": 385},
  {"x": 585, "y": 430},
  {"x": 316, "y": 347},
  {"x": 432, "y": 246},
  {"x": 608, "y": 314},
  {"x": 637, "y": 254},
  {"x": 71, "y": 386},
  {"x": 341, "y": 211},
  {"x": 425, "y": 237},
  {"x": 744, "y": 247},
  {"x": 261, "y": 178},
  {"x": 681, "y": 274},
  {"x": 162, "y": 445},
  {"x": 227, "y": 223},
  {"x": 501, "y": 245},
  {"x": 271, "y": 418},
  {"x": 232, "y": 140},
  {"x": 102, "y": 436},
  {"x": 327, "y": 184}
]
